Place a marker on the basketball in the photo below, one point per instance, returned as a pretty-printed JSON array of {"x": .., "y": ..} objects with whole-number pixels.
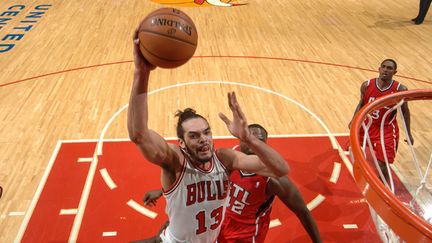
[{"x": 168, "y": 38}]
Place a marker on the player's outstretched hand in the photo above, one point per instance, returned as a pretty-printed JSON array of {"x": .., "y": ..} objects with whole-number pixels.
[
  {"x": 151, "y": 197},
  {"x": 238, "y": 127}
]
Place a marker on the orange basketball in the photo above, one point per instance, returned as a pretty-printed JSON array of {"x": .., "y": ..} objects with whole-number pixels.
[{"x": 168, "y": 38}]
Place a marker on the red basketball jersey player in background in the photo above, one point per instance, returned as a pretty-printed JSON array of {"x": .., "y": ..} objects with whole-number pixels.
[
  {"x": 247, "y": 217},
  {"x": 371, "y": 90}
]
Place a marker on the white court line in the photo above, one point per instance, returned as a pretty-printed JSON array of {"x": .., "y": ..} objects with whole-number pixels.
[
  {"x": 144, "y": 211},
  {"x": 70, "y": 211},
  {"x": 348, "y": 164},
  {"x": 350, "y": 226},
  {"x": 16, "y": 214},
  {"x": 37, "y": 194},
  {"x": 109, "y": 233},
  {"x": 315, "y": 202},
  {"x": 293, "y": 135},
  {"x": 93, "y": 140},
  {"x": 336, "y": 172},
  {"x": 85, "y": 160},
  {"x": 274, "y": 223},
  {"x": 107, "y": 178},
  {"x": 83, "y": 200}
]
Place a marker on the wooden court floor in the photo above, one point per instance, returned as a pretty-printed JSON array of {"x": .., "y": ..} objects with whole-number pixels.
[{"x": 66, "y": 69}]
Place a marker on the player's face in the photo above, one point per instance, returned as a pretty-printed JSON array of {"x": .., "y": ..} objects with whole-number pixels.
[
  {"x": 258, "y": 133},
  {"x": 387, "y": 70},
  {"x": 198, "y": 139}
]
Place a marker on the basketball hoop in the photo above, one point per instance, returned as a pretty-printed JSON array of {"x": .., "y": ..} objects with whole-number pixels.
[{"x": 406, "y": 224}]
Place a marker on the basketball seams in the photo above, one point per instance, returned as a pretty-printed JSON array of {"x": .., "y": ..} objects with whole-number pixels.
[
  {"x": 163, "y": 58},
  {"x": 168, "y": 36}
]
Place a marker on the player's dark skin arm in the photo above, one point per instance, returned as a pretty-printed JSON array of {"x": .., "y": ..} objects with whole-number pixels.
[
  {"x": 361, "y": 103},
  {"x": 265, "y": 158},
  {"x": 406, "y": 114},
  {"x": 291, "y": 197}
]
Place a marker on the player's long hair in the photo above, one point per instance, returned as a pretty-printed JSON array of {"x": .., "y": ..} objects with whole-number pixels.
[{"x": 183, "y": 116}]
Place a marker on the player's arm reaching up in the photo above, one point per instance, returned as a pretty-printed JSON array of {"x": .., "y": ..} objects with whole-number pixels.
[
  {"x": 153, "y": 146},
  {"x": 288, "y": 193},
  {"x": 266, "y": 162}
]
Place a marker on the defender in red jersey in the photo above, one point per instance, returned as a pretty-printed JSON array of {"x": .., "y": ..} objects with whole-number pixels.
[
  {"x": 247, "y": 218},
  {"x": 371, "y": 90}
]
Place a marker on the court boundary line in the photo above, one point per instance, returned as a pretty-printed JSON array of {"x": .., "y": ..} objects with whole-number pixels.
[
  {"x": 82, "y": 205},
  {"x": 35, "y": 199}
]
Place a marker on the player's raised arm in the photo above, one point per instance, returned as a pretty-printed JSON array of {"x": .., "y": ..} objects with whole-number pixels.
[
  {"x": 266, "y": 159},
  {"x": 152, "y": 145}
]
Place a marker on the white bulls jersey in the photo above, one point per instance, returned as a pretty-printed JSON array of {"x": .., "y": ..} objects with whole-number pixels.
[{"x": 196, "y": 203}]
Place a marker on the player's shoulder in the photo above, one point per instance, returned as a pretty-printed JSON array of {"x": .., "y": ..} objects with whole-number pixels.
[
  {"x": 365, "y": 85},
  {"x": 401, "y": 87},
  {"x": 368, "y": 82}
]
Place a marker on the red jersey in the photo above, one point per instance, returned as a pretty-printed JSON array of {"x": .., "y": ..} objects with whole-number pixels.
[
  {"x": 391, "y": 129},
  {"x": 248, "y": 214},
  {"x": 372, "y": 92}
]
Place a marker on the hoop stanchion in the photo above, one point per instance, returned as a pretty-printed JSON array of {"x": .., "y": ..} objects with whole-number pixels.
[{"x": 409, "y": 226}]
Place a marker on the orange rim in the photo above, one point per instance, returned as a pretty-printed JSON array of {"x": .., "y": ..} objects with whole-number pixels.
[{"x": 408, "y": 225}]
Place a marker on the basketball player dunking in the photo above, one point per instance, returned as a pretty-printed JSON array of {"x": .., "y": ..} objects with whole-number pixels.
[
  {"x": 247, "y": 218},
  {"x": 194, "y": 175},
  {"x": 371, "y": 90}
]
